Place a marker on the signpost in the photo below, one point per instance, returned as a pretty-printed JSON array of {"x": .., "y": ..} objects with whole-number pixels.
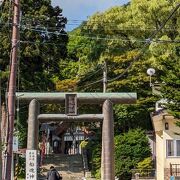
[
  {"x": 71, "y": 104},
  {"x": 31, "y": 164},
  {"x": 15, "y": 144}
]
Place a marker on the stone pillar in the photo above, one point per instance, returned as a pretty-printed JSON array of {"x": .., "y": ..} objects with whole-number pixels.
[
  {"x": 108, "y": 142},
  {"x": 33, "y": 125},
  {"x": 102, "y": 159}
]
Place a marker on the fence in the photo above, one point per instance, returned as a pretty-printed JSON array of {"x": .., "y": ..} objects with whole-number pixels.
[
  {"x": 143, "y": 174},
  {"x": 175, "y": 170}
]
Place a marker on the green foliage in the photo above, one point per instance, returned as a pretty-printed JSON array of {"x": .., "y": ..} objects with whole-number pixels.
[
  {"x": 21, "y": 167},
  {"x": 21, "y": 125},
  {"x": 42, "y": 47},
  {"x": 130, "y": 117},
  {"x": 66, "y": 85},
  {"x": 144, "y": 167},
  {"x": 117, "y": 36},
  {"x": 84, "y": 144},
  {"x": 168, "y": 64},
  {"x": 145, "y": 164},
  {"x": 95, "y": 149},
  {"x": 96, "y": 161},
  {"x": 130, "y": 149}
]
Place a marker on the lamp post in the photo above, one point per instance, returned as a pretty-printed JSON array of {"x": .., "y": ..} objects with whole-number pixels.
[
  {"x": 150, "y": 72},
  {"x": 1, "y": 1}
]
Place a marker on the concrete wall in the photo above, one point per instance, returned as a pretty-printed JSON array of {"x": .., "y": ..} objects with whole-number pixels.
[
  {"x": 159, "y": 157},
  {"x": 162, "y": 161}
]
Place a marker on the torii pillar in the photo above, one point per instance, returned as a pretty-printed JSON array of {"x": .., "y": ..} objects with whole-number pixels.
[
  {"x": 33, "y": 125},
  {"x": 107, "y": 166}
]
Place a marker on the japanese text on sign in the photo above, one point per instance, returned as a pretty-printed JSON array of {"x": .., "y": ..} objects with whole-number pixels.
[
  {"x": 71, "y": 104},
  {"x": 15, "y": 143},
  {"x": 31, "y": 164}
]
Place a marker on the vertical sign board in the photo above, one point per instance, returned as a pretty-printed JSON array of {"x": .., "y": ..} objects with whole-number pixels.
[
  {"x": 31, "y": 164},
  {"x": 15, "y": 144},
  {"x": 71, "y": 104}
]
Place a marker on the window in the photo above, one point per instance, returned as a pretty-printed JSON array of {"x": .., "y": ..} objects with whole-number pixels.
[
  {"x": 173, "y": 148},
  {"x": 178, "y": 147}
]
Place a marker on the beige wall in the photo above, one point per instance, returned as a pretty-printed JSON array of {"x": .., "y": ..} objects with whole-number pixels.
[
  {"x": 159, "y": 157},
  {"x": 162, "y": 161},
  {"x": 170, "y": 134}
]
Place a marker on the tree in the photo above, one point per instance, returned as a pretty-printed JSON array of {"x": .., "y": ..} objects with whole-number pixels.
[
  {"x": 45, "y": 45},
  {"x": 145, "y": 166},
  {"x": 42, "y": 46},
  {"x": 118, "y": 36},
  {"x": 130, "y": 149},
  {"x": 168, "y": 71}
]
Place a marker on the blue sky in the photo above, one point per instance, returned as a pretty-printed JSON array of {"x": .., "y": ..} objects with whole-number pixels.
[{"x": 78, "y": 10}]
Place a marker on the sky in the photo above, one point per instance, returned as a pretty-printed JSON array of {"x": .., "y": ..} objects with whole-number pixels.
[{"x": 78, "y": 10}]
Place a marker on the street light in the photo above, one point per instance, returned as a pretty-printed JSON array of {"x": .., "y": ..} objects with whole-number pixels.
[
  {"x": 1, "y": 1},
  {"x": 151, "y": 72}
]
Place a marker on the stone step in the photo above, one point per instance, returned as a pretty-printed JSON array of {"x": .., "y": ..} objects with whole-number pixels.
[{"x": 70, "y": 166}]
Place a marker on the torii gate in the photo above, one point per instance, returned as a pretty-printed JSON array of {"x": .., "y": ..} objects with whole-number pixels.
[{"x": 106, "y": 99}]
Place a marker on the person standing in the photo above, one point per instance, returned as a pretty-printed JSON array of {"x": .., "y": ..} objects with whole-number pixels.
[{"x": 53, "y": 174}]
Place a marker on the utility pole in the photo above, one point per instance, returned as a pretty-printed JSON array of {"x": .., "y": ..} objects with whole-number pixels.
[
  {"x": 12, "y": 87},
  {"x": 104, "y": 91},
  {"x": 105, "y": 77}
]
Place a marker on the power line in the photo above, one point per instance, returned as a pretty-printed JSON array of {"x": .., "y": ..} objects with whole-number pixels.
[
  {"x": 97, "y": 37},
  {"x": 95, "y": 22},
  {"x": 132, "y": 27},
  {"x": 90, "y": 37},
  {"x": 147, "y": 43},
  {"x": 94, "y": 72},
  {"x": 117, "y": 38},
  {"x": 107, "y": 27},
  {"x": 87, "y": 85},
  {"x": 110, "y": 28},
  {"x": 100, "y": 46}
]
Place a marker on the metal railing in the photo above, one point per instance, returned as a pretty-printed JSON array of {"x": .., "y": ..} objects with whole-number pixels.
[
  {"x": 145, "y": 173},
  {"x": 175, "y": 170}
]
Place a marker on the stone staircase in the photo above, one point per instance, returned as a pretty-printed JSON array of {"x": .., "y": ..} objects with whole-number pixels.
[{"x": 70, "y": 166}]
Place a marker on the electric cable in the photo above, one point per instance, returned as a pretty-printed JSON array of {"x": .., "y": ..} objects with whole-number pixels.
[
  {"x": 97, "y": 37},
  {"x": 94, "y": 72},
  {"x": 87, "y": 85},
  {"x": 106, "y": 24},
  {"x": 147, "y": 43}
]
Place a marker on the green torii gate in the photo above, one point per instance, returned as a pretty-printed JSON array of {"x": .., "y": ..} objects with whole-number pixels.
[{"x": 106, "y": 99}]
